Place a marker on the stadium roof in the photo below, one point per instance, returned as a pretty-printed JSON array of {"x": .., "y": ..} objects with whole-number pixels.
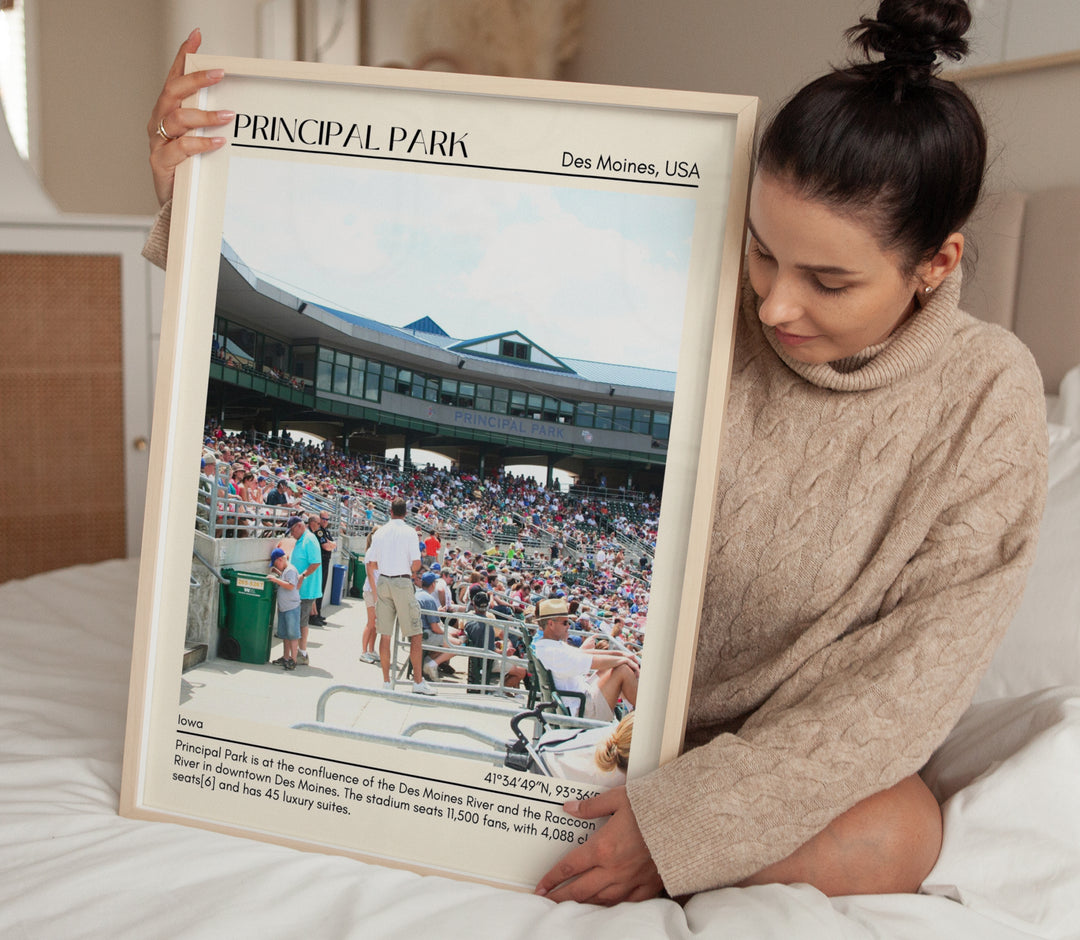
[
  {"x": 425, "y": 325},
  {"x": 423, "y": 330}
]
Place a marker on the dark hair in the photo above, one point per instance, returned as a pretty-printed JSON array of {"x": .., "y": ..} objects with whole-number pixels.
[
  {"x": 398, "y": 508},
  {"x": 887, "y": 140}
]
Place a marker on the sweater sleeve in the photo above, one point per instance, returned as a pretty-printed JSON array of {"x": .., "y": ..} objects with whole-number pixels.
[
  {"x": 869, "y": 709},
  {"x": 156, "y": 249}
]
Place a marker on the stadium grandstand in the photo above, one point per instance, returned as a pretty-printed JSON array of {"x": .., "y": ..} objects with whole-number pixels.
[{"x": 280, "y": 361}]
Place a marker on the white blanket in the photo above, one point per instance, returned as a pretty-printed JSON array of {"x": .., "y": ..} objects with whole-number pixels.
[{"x": 73, "y": 868}]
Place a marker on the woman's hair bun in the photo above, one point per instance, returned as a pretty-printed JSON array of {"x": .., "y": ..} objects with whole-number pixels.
[
  {"x": 913, "y": 33},
  {"x": 886, "y": 138}
]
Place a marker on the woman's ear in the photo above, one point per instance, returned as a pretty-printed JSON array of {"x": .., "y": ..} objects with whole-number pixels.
[{"x": 942, "y": 264}]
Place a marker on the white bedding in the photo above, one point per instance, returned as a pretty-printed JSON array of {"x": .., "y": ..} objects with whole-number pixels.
[
  {"x": 71, "y": 867},
  {"x": 74, "y": 868}
]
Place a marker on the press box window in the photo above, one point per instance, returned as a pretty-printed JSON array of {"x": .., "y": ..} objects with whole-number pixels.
[
  {"x": 356, "y": 377},
  {"x": 341, "y": 372},
  {"x": 510, "y": 349},
  {"x": 371, "y": 385},
  {"x": 324, "y": 376}
]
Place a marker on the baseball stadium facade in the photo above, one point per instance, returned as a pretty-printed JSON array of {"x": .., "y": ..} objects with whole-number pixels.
[{"x": 280, "y": 361}]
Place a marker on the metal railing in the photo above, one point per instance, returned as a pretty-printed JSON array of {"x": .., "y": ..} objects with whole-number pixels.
[
  {"x": 503, "y": 659},
  {"x": 229, "y": 516},
  {"x": 232, "y": 517},
  {"x": 513, "y": 629},
  {"x": 580, "y": 490},
  {"x": 494, "y": 753}
]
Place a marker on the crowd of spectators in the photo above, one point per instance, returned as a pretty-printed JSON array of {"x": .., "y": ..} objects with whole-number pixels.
[
  {"x": 602, "y": 599},
  {"x": 538, "y": 542}
]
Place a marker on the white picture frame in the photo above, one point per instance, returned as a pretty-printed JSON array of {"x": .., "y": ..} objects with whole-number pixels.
[{"x": 685, "y": 157}]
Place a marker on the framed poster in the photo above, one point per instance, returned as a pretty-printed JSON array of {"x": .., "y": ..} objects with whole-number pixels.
[{"x": 493, "y": 267}]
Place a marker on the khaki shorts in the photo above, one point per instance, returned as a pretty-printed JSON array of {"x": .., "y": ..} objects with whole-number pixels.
[
  {"x": 596, "y": 706},
  {"x": 397, "y": 601}
]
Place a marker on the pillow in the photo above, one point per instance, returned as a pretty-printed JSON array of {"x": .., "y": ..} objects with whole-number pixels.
[
  {"x": 1042, "y": 645},
  {"x": 1064, "y": 408},
  {"x": 1007, "y": 777}
]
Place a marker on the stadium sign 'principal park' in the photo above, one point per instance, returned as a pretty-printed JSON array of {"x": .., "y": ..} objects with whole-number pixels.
[{"x": 565, "y": 226}]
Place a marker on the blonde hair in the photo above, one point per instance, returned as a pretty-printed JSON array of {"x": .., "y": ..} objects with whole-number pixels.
[{"x": 614, "y": 753}]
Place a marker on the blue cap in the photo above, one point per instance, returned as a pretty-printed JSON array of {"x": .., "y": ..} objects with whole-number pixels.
[
  {"x": 428, "y": 579},
  {"x": 276, "y": 554}
]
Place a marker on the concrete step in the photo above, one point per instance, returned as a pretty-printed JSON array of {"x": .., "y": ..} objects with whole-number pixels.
[{"x": 194, "y": 655}]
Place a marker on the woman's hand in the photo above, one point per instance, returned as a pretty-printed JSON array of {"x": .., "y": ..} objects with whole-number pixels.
[
  {"x": 172, "y": 120},
  {"x": 613, "y": 865}
]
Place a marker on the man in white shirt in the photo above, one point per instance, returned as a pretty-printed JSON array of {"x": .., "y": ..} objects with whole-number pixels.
[
  {"x": 614, "y": 672},
  {"x": 395, "y": 554}
]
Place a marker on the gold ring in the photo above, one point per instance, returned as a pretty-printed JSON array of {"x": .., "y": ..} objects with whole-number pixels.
[{"x": 161, "y": 131}]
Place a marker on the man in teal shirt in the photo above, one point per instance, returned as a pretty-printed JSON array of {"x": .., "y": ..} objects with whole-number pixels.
[{"x": 306, "y": 559}]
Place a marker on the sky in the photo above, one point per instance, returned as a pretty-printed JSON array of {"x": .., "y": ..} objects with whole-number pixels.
[{"x": 583, "y": 273}]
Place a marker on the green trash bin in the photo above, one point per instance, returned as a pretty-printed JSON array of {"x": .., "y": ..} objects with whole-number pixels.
[
  {"x": 357, "y": 575},
  {"x": 245, "y": 616}
]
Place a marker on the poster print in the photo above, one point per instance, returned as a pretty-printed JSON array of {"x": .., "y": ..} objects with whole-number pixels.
[{"x": 507, "y": 272}]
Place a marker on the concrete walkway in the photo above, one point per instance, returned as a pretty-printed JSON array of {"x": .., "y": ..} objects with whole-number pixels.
[{"x": 268, "y": 694}]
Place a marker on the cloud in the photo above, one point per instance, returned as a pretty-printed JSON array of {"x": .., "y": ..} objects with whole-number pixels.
[
  {"x": 571, "y": 268},
  {"x": 582, "y": 287}
]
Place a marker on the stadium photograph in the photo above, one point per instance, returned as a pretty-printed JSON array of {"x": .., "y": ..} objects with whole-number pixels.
[{"x": 361, "y": 314}]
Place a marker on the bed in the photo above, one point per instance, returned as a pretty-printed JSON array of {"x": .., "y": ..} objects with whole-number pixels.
[{"x": 1008, "y": 777}]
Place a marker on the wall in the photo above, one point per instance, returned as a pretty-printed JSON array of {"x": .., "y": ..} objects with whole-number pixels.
[
  {"x": 98, "y": 73},
  {"x": 93, "y": 132},
  {"x": 765, "y": 48},
  {"x": 1034, "y": 127},
  {"x": 100, "y": 67},
  {"x": 769, "y": 48},
  {"x": 228, "y": 28}
]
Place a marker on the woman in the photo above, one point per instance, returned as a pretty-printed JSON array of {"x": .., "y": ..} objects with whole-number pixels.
[
  {"x": 882, "y": 479},
  {"x": 881, "y": 483},
  {"x": 253, "y": 492}
]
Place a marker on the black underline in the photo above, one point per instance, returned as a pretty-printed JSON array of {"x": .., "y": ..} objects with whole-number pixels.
[
  {"x": 385, "y": 770},
  {"x": 474, "y": 166}
]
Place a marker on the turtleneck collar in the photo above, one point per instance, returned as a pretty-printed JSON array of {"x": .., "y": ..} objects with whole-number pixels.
[{"x": 907, "y": 351}]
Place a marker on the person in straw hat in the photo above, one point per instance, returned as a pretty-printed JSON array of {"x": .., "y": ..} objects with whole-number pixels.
[{"x": 604, "y": 676}]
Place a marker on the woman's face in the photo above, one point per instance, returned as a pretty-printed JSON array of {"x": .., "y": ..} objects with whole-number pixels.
[{"x": 826, "y": 287}]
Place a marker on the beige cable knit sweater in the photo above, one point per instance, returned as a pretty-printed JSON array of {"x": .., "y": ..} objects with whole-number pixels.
[
  {"x": 156, "y": 249},
  {"x": 874, "y": 525}
]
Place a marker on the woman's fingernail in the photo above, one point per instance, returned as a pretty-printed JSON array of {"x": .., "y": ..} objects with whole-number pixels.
[
  {"x": 572, "y": 806},
  {"x": 224, "y": 116},
  {"x": 216, "y": 73}
]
